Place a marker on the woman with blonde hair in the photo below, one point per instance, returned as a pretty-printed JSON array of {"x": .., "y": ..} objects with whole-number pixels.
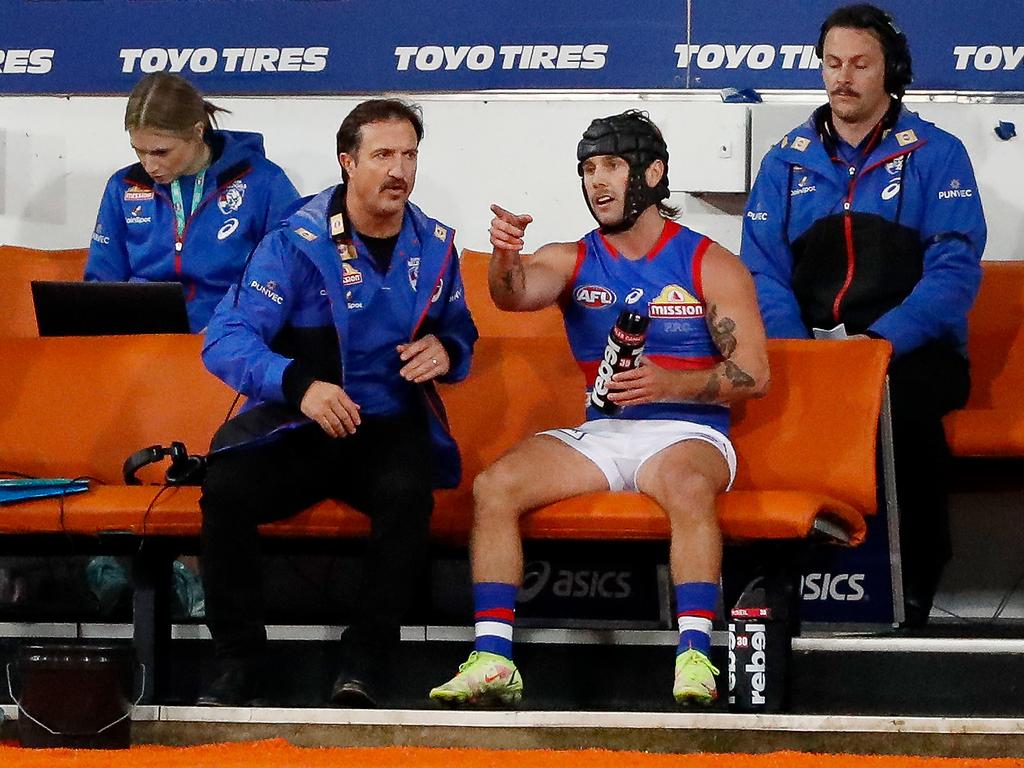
[{"x": 195, "y": 205}]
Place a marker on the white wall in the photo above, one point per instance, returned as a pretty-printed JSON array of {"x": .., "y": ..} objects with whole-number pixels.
[
  {"x": 56, "y": 154},
  {"x": 515, "y": 149}
]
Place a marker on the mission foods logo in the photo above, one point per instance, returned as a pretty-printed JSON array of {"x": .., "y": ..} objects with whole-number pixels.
[
  {"x": 675, "y": 301},
  {"x": 350, "y": 275},
  {"x": 134, "y": 193}
]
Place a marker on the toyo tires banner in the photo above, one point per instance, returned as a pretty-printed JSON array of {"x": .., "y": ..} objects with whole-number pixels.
[{"x": 360, "y": 46}]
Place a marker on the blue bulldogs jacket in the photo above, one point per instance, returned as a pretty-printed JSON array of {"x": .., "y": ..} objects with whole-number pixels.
[
  {"x": 890, "y": 246},
  {"x": 244, "y": 197},
  {"x": 289, "y": 320}
]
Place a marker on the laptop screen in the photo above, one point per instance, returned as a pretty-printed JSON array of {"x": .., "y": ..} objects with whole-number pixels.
[{"x": 78, "y": 308}]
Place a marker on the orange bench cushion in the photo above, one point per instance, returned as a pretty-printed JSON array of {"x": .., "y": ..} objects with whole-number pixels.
[
  {"x": 144, "y": 511},
  {"x": 20, "y": 266},
  {"x": 992, "y": 423},
  {"x": 79, "y": 406}
]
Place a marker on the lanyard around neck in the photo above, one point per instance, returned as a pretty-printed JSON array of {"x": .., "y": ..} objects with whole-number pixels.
[{"x": 179, "y": 207}]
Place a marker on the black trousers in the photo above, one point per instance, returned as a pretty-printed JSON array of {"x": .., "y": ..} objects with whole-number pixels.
[
  {"x": 925, "y": 385},
  {"x": 384, "y": 470}
]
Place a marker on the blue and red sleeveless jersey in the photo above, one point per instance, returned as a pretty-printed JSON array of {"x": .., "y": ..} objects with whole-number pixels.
[{"x": 666, "y": 286}]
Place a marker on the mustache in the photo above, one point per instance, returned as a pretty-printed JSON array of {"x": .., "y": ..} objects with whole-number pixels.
[
  {"x": 396, "y": 184},
  {"x": 845, "y": 92}
]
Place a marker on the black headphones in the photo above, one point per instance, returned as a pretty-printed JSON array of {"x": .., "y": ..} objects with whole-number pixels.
[
  {"x": 898, "y": 68},
  {"x": 184, "y": 469}
]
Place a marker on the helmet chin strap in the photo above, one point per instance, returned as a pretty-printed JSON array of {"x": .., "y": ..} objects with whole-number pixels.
[{"x": 639, "y": 197}]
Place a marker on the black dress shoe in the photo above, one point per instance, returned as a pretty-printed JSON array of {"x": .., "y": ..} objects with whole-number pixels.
[
  {"x": 237, "y": 685},
  {"x": 916, "y": 613},
  {"x": 352, "y": 692}
]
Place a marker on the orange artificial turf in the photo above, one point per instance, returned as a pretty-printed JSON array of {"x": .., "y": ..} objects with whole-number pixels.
[{"x": 278, "y": 753}]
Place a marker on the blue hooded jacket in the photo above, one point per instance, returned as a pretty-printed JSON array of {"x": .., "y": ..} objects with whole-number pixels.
[
  {"x": 891, "y": 247},
  {"x": 244, "y": 197},
  {"x": 276, "y": 326}
]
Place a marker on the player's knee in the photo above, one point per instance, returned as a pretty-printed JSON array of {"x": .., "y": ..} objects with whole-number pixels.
[
  {"x": 495, "y": 493},
  {"x": 690, "y": 498}
]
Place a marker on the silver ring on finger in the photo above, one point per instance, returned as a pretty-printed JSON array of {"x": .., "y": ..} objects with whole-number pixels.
[{"x": 433, "y": 360}]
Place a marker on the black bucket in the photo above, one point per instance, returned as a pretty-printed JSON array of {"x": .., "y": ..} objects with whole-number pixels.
[{"x": 75, "y": 696}]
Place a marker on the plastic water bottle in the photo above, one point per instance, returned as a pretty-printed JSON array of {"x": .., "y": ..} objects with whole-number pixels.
[{"x": 621, "y": 353}]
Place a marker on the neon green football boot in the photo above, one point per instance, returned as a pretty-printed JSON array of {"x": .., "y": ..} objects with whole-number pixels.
[
  {"x": 484, "y": 680},
  {"x": 695, "y": 679}
]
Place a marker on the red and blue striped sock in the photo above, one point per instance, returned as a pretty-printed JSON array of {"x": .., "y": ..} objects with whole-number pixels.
[
  {"x": 495, "y": 613},
  {"x": 695, "y": 608}
]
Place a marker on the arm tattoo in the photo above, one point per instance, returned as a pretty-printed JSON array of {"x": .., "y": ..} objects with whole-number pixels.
[
  {"x": 514, "y": 277},
  {"x": 722, "y": 331},
  {"x": 711, "y": 389},
  {"x": 739, "y": 378}
]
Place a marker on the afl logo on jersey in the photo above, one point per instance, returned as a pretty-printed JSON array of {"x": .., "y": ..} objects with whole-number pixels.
[{"x": 594, "y": 296}]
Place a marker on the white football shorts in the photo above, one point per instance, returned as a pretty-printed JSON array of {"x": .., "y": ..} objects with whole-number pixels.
[{"x": 619, "y": 447}]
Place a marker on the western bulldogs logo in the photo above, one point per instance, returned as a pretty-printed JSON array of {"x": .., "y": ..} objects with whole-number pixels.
[
  {"x": 894, "y": 166},
  {"x": 414, "y": 271},
  {"x": 594, "y": 296},
  {"x": 231, "y": 199}
]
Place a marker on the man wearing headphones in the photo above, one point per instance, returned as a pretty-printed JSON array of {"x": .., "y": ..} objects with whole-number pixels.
[
  {"x": 866, "y": 221},
  {"x": 704, "y": 349}
]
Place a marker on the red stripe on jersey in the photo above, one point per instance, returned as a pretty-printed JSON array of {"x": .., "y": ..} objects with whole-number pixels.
[
  {"x": 685, "y": 363},
  {"x": 581, "y": 254},
  {"x": 590, "y": 367},
  {"x": 670, "y": 230},
  {"x": 698, "y": 263},
  {"x": 610, "y": 248}
]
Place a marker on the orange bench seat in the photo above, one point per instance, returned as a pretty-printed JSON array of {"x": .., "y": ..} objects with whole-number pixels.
[
  {"x": 79, "y": 406},
  {"x": 20, "y": 266},
  {"x": 992, "y": 423},
  {"x": 139, "y": 511}
]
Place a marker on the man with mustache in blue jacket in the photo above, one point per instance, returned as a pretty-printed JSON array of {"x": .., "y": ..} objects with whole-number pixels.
[{"x": 338, "y": 332}]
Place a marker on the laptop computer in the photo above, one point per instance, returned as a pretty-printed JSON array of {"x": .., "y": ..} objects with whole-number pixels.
[{"x": 76, "y": 308}]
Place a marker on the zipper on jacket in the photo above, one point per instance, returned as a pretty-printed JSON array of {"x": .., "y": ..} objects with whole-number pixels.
[
  {"x": 188, "y": 221},
  {"x": 192, "y": 289},
  {"x": 851, "y": 255}
]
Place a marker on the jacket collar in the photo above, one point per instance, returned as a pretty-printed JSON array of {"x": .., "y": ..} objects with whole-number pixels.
[
  {"x": 812, "y": 144},
  {"x": 829, "y": 137}
]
